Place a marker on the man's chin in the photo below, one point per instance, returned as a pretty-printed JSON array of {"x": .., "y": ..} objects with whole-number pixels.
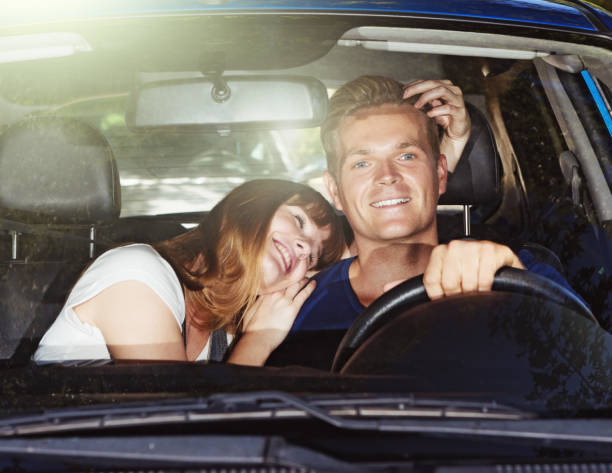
[
  {"x": 396, "y": 233},
  {"x": 399, "y": 232}
]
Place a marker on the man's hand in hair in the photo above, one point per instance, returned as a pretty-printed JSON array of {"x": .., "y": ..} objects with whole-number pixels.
[{"x": 448, "y": 109}]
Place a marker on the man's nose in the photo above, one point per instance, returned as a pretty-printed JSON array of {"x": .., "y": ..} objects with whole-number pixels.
[{"x": 387, "y": 173}]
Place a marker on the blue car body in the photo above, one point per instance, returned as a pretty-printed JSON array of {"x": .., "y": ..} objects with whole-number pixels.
[{"x": 564, "y": 15}]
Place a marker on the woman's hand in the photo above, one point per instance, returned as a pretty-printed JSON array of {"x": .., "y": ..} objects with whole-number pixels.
[
  {"x": 448, "y": 109},
  {"x": 268, "y": 321}
]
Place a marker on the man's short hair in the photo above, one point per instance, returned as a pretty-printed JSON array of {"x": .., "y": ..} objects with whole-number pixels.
[{"x": 366, "y": 92}]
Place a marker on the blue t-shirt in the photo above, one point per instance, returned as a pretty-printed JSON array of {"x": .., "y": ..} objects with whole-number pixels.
[{"x": 334, "y": 305}]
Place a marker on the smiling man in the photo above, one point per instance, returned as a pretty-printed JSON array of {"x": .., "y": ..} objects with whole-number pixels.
[{"x": 386, "y": 173}]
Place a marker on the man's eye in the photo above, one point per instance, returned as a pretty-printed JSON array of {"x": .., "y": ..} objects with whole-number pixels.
[
  {"x": 360, "y": 164},
  {"x": 407, "y": 157},
  {"x": 300, "y": 220}
]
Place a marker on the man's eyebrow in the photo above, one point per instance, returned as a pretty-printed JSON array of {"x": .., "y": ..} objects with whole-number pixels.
[
  {"x": 358, "y": 152},
  {"x": 366, "y": 151}
]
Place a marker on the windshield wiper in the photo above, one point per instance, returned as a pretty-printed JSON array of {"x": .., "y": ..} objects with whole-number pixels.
[
  {"x": 402, "y": 414},
  {"x": 32, "y": 437},
  {"x": 352, "y": 413}
]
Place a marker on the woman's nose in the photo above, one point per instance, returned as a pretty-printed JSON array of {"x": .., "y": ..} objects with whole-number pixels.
[{"x": 302, "y": 248}]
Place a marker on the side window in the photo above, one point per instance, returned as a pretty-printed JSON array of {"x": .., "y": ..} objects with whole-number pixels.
[
  {"x": 592, "y": 108},
  {"x": 558, "y": 220},
  {"x": 533, "y": 131}
]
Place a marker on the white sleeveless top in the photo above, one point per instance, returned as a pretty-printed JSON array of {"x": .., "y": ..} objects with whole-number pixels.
[{"x": 70, "y": 339}]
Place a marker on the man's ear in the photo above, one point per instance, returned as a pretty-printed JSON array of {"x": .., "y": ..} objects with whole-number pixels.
[
  {"x": 332, "y": 189},
  {"x": 442, "y": 170}
]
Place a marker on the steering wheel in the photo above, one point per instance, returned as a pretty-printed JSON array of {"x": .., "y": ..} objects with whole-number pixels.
[{"x": 412, "y": 292}]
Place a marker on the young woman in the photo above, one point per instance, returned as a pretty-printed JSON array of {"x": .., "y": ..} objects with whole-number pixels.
[{"x": 242, "y": 269}]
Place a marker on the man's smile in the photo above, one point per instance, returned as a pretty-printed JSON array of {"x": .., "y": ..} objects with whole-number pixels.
[{"x": 390, "y": 202}]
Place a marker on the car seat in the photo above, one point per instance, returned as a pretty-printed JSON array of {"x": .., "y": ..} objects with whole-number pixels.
[
  {"x": 477, "y": 182},
  {"x": 58, "y": 183}
]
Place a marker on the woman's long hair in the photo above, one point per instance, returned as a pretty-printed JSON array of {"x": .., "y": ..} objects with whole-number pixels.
[{"x": 219, "y": 262}]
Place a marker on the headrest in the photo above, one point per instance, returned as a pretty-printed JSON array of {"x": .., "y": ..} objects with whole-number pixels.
[
  {"x": 477, "y": 177},
  {"x": 57, "y": 170}
]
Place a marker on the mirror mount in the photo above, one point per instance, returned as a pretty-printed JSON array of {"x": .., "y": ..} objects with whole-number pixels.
[{"x": 220, "y": 91}]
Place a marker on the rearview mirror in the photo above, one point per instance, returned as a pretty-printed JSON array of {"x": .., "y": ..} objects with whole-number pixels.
[{"x": 228, "y": 103}]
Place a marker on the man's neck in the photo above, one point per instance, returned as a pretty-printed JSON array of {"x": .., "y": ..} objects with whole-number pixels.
[{"x": 379, "y": 267}]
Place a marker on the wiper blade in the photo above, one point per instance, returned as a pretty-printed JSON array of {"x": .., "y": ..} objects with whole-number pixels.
[
  {"x": 391, "y": 414},
  {"x": 352, "y": 413},
  {"x": 360, "y": 412}
]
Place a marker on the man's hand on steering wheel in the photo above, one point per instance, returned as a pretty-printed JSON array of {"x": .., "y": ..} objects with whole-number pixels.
[{"x": 464, "y": 266}]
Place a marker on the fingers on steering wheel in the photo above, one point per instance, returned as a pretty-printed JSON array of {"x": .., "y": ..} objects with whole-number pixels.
[
  {"x": 493, "y": 257},
  {"x": 432, "y": 278},
  {"x": 463, "y": 266},
  {"x": 489, "y": 263},
  {"x": 469, "y": 270},
  {"x": 453, "y": 268}
]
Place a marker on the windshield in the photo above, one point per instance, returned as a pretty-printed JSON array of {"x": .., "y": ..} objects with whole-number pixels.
[{"x": 545, "y": 353}]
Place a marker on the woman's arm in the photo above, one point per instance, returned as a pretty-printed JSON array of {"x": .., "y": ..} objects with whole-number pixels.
[
  {"x": 135, "y": 322},
  {"x": 268, "y": 322}
]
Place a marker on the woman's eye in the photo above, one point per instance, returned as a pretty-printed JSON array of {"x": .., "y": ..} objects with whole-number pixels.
[
  {"x": 407, "y": 157},
  {"x": 300, "y": 220}
]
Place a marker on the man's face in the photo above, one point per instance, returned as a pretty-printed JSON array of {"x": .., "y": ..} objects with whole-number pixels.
[{"x": 388, "y": 182}]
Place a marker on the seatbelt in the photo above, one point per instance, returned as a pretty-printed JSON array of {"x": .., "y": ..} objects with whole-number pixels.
[{"x": 218, "y": 345}]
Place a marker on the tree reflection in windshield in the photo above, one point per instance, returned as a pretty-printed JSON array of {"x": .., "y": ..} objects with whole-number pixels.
[
  {"x": 507, "y": 347},
  {"x": 570, "y": 358}
]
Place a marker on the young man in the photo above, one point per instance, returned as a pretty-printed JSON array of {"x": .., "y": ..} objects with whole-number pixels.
[{"x": 386, "y": 173}]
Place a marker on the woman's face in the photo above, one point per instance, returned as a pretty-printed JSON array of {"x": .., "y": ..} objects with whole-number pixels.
[{"x": 293, "y": 247}]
